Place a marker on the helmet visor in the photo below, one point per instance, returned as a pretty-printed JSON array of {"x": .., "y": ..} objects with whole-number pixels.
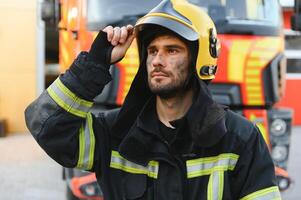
[{"x": 168, "y": 22}]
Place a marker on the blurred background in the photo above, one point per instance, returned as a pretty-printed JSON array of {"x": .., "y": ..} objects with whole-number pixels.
[{"x": 259, "y": 76}]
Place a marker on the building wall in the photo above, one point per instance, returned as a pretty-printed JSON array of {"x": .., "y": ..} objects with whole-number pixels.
[{"x": 18, "y": 74}]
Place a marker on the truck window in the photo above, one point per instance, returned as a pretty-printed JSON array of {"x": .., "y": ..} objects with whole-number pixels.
[
  {"x": 101, "y": 13},
  {"x": 265, "y": 10},
  {"x": 294, "y": 65},
  {"x": 293, "y": 53},
  {"x": 255, "y": 17},
  {"x": 229, "y": 15}
]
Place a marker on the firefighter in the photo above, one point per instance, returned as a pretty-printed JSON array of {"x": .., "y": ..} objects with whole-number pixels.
[{"x": 170, "y": 139}]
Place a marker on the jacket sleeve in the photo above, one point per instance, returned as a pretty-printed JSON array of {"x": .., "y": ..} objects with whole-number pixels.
[
  {"x": 60, "y": 121},
  {"x": 255, "y": 173}
]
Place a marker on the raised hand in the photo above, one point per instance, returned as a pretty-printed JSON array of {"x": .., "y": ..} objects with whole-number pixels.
[{"x": 121, "y": 38}]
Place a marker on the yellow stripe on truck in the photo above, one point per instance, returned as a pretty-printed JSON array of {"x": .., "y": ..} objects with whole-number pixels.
[{"x": 237, "y": 57}]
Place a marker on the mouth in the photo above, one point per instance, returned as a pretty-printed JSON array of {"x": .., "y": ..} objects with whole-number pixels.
[{"x": 158, "y": 74}]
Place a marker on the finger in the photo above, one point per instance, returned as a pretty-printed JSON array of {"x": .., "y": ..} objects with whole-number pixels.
[
  {"x": 130, "y": 29},
  {"x": 116, "y": 36},
  {"x": 123, "y": 34},
  {"x": 110, "y": 32}
]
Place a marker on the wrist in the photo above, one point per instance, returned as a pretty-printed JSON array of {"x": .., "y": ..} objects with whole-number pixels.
[{"x": 101, "y": 49}]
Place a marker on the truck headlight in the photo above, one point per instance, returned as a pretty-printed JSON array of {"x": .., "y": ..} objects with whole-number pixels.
[
  {"x": 278, "y": 127},
  {"x": 283, "y": 183},
  {"x": 91, "y": 189},
  {"x": 279, "y": 153}
]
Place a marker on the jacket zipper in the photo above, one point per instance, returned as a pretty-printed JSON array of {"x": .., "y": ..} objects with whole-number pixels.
[{"x": 182, "y": 168}]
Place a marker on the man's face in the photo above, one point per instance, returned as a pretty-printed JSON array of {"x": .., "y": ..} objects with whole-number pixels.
[{"x": 167, "y": 65}]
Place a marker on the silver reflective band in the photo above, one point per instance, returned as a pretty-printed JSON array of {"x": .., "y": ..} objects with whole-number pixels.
[
  {"x": 208, "y": 165},
  {"x": 86, "y": 145},
  {"x": 271, "y": 193},
  {"x": 215, "y": 186},
  {"x": 118, "y": 162},
  {"x": 68, "y": 100}
]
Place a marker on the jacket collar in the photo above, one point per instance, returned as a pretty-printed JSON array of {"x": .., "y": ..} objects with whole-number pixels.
[{"x": 205, "y": 120}]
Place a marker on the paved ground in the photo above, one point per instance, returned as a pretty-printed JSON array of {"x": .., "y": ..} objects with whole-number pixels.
[{"x": 27, "y": 173}]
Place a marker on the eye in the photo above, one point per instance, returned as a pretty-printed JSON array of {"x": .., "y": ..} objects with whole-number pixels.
[
  {"x": 172, "y": 51},
  {"x": 152, "y": 52}
]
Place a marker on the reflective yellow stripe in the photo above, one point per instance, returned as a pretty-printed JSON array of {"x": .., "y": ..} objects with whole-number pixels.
[
  {"x": 64, "y": 105},
  {"x": 214, "y": 166},
  {"x": 220, "y": 186},
  {"x": 209, "y": 189},
  {"x": 118, "y": 162},
  {"x": 216, "y": 186},
  {"x": 271, "y": 193},
  {"x": 71, "y": 95},
  {"x": 68, "y": 100},
  {"x": 81, "y": 147},
  {"x": 208, "y": 165},
  {"x": 92, "y": 142},
  {"x": 86, "y": 145}
]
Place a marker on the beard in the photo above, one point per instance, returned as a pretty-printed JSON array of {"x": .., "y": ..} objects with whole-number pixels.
[
  {"x": 172, "y": 89},
  {"x": 167, "y": 91}
]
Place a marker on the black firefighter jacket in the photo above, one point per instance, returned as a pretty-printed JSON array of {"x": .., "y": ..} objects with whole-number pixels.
[{"x": 216, "y": 154}]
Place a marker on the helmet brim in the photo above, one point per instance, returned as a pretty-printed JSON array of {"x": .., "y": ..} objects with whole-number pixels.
[{"x": 181, "y": 29}]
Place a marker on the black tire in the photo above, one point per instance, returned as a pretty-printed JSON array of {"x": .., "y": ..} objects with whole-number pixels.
[{"x": 69, "y": 194}]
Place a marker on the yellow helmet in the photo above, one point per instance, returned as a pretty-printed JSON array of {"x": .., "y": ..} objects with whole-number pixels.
[{"x": 191, "y": 23}]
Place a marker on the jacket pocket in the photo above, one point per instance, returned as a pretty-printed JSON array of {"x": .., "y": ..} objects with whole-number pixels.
[{"x": 135, "y": 187}]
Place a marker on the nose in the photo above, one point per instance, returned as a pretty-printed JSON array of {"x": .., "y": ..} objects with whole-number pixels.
[{"x": 158, "y": 60}]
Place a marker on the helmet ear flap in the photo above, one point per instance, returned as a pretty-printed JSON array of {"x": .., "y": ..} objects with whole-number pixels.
[
  {"x": 214, "y": 50},
  {"x": 214, "y": 44}
]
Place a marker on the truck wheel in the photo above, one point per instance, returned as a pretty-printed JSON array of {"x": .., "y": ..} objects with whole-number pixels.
[{"x": 69, "y": 194}]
